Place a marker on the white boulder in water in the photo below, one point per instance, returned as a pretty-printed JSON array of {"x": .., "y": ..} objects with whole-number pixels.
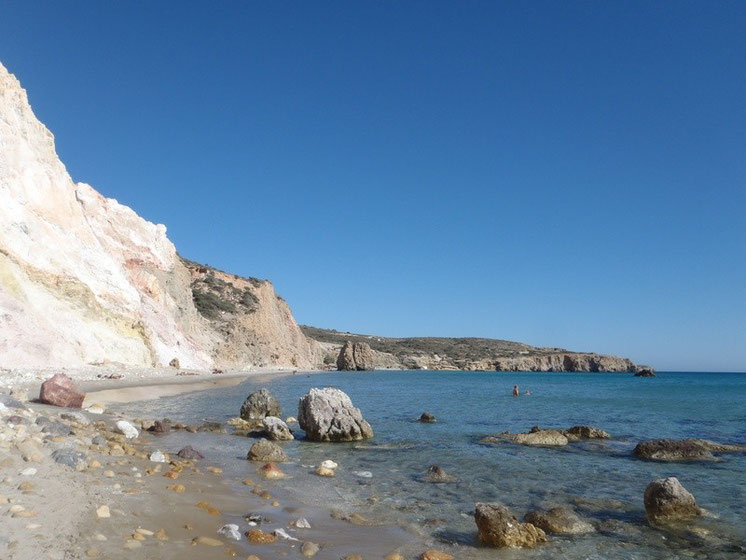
[
  {"x": 158, "y": 456},
  {"x": 231, "y": 531},
  {"x": 129, "y": 431}
]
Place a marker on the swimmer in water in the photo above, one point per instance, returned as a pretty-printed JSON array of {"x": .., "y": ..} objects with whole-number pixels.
[{"x": 516, "y": 391}]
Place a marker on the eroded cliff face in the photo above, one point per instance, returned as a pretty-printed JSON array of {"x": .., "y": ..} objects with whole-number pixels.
[{"x": 84, "y": 279}]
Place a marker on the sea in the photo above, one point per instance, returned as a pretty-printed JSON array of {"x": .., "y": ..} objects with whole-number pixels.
[{"x": 382, "y": 479}]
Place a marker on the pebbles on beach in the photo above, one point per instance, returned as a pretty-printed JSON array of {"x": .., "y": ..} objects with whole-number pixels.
[
  {"x": 230, "y": 531},
  {"x": 127, "y": 429},
  {"x": 103, "y": 512}
]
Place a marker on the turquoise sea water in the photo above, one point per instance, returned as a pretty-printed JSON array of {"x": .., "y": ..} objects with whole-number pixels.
[{"x": 600, "y": 480}]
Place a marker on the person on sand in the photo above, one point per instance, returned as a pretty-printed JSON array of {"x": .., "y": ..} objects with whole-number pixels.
[{"x": 516, "y": 391}]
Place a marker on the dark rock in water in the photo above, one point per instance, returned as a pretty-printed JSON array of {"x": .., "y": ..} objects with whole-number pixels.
[
  {"x": 70, "y": 458},
  {"x": 212, "y": 427},
  {"x": 10, "y": 401},
  {"x": 682, "y": 449},
  {"x": 437, "y": 475},
  {"x": 667, "y": 500},
  {"x": 585, "y": 432},
  {"x": 534, "y": 429},
  {"x": 255, "y": 518},
  {"x": 259, "y": 405},
  {"x": 160, "y": 427},
  {"x": 428, "y": 418},
  {"x": 559, "y": 520},
  {"x": 328, "y": 415},
  {"x": 644, "y": 371},
  {"x": 265, "y": 450},
  {"x": 189, "y": 452},
  {"x": 499, "y": 528},
  {"x": 60, "y": 390},
  {"x": 355, "y": 356}
]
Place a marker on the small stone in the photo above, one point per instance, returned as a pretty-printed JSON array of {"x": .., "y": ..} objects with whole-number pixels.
[
  {"x": 99, "y": 537},
  {"x": 178, "y": 488},
  {"x": 257, "y": 536},
  {"x": 231, "y": 531},
  {"x": 70, "y": 458},
  {"x": 322, "y": 471},
  {"x": 145, "y": 532},
  {"x": 131, "y": 543},
  {"x": 272, "y": 472},
  {"x": 161, "y": 535},
  {"x": 281, "y": 533},
  {"x": 428, "y": 418},
  {"x": 94, "y": 464},
  {"x": 433, "y": 554},
  {"x": 95, "y": 408},
  {"x": 158, "y": 457},
  {"x": 172, "y": 474},
  {"x": 16, "y": 508},
  {"x": 27, "y": 514},
  {"x": 189, "y": 453},
  {"x": 364, "y": 474},
  {"x": 247, "y": 482},
  {"x": 301, "y": 523},
  {"x": 33, "y": 526},
  {"x": 93, "y": 553},
  {"x": 394, "y": 556},
  {"x": 31, "y": 471},
  {"x": 309, "y": 549},
  {"x": 138, "y": 536},
  {"x": 215, "y": 470},
  {"x": 207, "y": 541},
  {"x": 127, "y": 429},
  {"x": 329, "y": 464},
  {"x": 26, "y": 486},
  {"x": 109, "y": 474}
]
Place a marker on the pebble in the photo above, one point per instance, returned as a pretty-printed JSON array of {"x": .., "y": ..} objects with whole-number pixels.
[
  {"x": 25, "y": 486},
  {"x": 26, "y": 514},
  {"x": 109, "y": 474},
  {"x": 33, "y": 526},
  {"x": 272, "y": 472},
  {"x": 161, "y": 535},
  {"x": 394, "y": 556},
  {"x": 138, "y": 537},
  {"x": 158, "y": 457},
  {"x": 30, "y": 471},
  {"x": 93, "y": 553},
  {"x": 207, "y": 541},
  {"x": 215, "y": 470},
  {"x": 130, "y": 544},
  {"x": 433, "y": 554},
  {"x": 231, "y": 531},
  {"x": 145, "y": 532},
  {"x": 309, "y": 549},
  {"x": 323, "y": 471},
  {"x": 283, "y": 535},
  {"x": 364, "y": 474},
  {"x": 301, "y": 523},
  {"x": 127, "y": 429},
  {"x": 16, "y": 508},
  {"x": 178, "y": 488},
  {"x": 103, "y": 512},
  {"x": 248, "y": 482},
  {"x": 95, "y": 408},
  {"x": 257, "y": 536},
  {"x": 94, "y": 464},
  {"x": 329, "y": 464},
  {"x": 99, "y": 537}
]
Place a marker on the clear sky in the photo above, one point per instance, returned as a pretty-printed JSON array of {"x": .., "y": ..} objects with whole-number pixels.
[{"x": 560, "y": 173}]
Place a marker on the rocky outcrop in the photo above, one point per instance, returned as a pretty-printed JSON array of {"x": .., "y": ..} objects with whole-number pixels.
[
  {"x": 644, "y": 371},
  {"x": 85, "y": 280},
  {"x": 328, "y": 415},
  {"x": 565, "y": 362},
  {"x": 559, "y": 520},
  {"x": 355, "y": 356},
  {"x": 60, "y": 390},
  {"x": 499, "y": 528},
  {"x": 259, "y": 405},
  {"x": 683, "y": 449},
  {"x": 548, "y": 437},
  {"x": 667, "y": 500}
]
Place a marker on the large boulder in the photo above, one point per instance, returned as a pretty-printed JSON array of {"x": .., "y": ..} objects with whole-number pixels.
[
  {"x": 60, "y": 390},
  {"x": 276, "y": 429},
  {"x": 558, "y": 520},
  {"x": 259, "y": 405},
  {"x": 265, "y": 450},
  {"x": 682, "y": 449},
  {"x": 667, "y": 500},
  {"x": 499, "y": 528},
  {"x": 328, "y": 415},
  {"x": 355, "y": 356}
]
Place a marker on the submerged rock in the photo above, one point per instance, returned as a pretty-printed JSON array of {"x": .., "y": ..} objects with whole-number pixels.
[
  {"x": 328, "y": 415},
  {"x": 667, "y": 500},
  {"x": 230, "y": 531},
  {"x": 682, "y": 450},
  {"x": 355, "y": 356},
  {"x": 259, "y": 405},
  {"x": 276, "y": 429},
  {"x": 160, "y": 427},
  {"x": 437, "y": 475},
  {"x": 265, "y": 450},
  {"x": 60, "y": 390},
  {"x": 189, "y": 452},
  {"x": 499, "y": 528},
  {"x": 559, "y": 520},
  {"x": 585, "y": 432},
  {"x": 129, "y": 431},
  {"x": 428, "y": 418}
]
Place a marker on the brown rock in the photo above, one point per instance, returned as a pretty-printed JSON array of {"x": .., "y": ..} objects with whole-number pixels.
[
  {"x": 499, "y": 528},
  {"x": 433, "y": 554},
  {"x": 257, "y": 536},
  {"x": 174, "y": 363},
  {"x": 265, "y": 450},
  {"x": 355, "y": 356},
  {"x": 60, "y": 390},
  {"x": 667, "y": 500},
  {"x": 559, "y": 520}
]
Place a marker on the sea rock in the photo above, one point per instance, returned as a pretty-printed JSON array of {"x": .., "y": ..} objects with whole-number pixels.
[
  {"x": 355, "y": 356},
  {"x": 189, "y": 452},
  {"x": 324, "y": 471},
  {"x": 70, "y": 458},
  {"x": 309, "y": 549},
  {"x": 584, "y": 432},
  {"x": 667, "y": 500},
  {"x": 499, "y": 528},
  {"x": 158, "y": 457},
  {"x": 682, "y": 450},
  {"x": 272, "y": 472},
  {"x": 437, "y": 475},
  {"x": 60, "y": 390},
  {"x": 257, "y": 536},
  {"x": 428, "y": 418},
  {"x": 265, "y": 450},
  {"x": 260, "y": 404},
  {"x": 433, "y": 554},
  {"x": 329, "y": 464},
  {"x": 230, "y": 531},
  {"x": 301, "y": 523},
  {"x": 276, "y": 429},
  {"x": 212, "y": 427},
  {"x": 129, "y": 431},
  {"x": 283, "y": 534},
  {"x": 160, "y": 427},
  {"x": 328, "y": 415},
  {"x": 644, "y": 371},
  {"x": 559, "y": 520}
]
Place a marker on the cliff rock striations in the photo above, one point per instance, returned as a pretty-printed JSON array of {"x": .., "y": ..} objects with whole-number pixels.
[{"x": 84, "y": 279}]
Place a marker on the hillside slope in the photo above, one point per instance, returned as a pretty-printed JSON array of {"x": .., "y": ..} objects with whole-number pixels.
[
  {"x": 466, "y": 354},
  {"x": 84, "y": 279}
]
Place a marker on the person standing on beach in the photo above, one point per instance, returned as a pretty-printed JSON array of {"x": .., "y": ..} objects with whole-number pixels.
[{"x": 516, "y": 391}]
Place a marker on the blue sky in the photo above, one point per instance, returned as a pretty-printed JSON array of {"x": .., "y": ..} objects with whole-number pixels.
[{"x": 562, "y": 174}]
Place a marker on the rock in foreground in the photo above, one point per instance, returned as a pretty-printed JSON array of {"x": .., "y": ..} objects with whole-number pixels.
[
  {"x": 682, "y": 449},
  {"x": 265, "y": 450},
  {"x": 328, "y": 415},
  {"x": 259, "y": 405},
  {"x": 355, "y": 356},
  {"x": 499, "y": 528},
  {"x": 559, "y": 520},
  {"x": 60, "y": 390},
  {"x": 667, "y": 500}
]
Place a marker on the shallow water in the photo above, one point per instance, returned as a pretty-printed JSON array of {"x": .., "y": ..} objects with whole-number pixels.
[{"x": 601, "y": 481}]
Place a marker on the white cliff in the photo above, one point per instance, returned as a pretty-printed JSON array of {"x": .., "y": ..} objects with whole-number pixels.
[{"x": 84, "y": 279}]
